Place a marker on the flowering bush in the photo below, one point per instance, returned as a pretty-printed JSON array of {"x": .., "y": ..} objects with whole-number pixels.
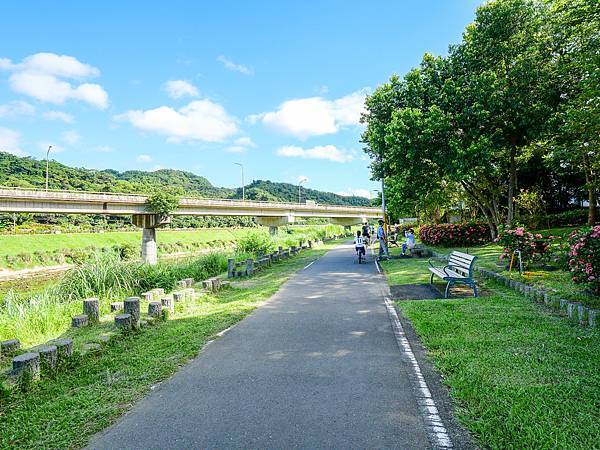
[
  {"x": 454, "y": 234},
  {"x": 584, "y": 257},
  {"x": 533, "y": 247}
]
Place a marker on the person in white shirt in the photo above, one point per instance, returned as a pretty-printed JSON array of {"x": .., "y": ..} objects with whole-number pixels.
[
  {"x": 410, "y": 241},
  {"x": 359, "y": 243}
]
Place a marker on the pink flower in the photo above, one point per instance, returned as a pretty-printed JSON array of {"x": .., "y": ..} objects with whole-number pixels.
[{"x": 520, "y": 231}]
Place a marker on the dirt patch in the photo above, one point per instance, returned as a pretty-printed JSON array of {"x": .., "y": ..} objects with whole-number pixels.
[{"x": 414, "y": 292}]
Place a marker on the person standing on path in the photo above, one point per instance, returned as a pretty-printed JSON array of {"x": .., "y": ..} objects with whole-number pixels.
[{"x": 382, "y": 241}]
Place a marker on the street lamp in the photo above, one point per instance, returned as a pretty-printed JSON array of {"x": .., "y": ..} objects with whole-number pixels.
[
  {"x": 243, "y": 187},
  {"x": 302, "y": 180},
  {"x": 47, "y": 155}
]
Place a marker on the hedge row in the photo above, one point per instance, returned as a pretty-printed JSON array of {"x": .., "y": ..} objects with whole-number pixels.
[{"x": 455, "y": 234}]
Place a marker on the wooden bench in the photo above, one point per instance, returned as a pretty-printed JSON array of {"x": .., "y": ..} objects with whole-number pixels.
[{"x": 459, "y": 269}]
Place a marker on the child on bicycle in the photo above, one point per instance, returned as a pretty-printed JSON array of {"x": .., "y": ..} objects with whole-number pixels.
[{"x": 359, "y": 245}]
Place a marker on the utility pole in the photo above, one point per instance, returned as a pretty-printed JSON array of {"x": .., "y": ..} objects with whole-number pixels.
[
  {"x": 243, "y": 185},
  {"x": 47, "y": 165}
]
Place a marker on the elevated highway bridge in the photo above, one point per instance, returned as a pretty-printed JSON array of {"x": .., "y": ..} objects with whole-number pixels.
[{"x": 271, "y": 214}]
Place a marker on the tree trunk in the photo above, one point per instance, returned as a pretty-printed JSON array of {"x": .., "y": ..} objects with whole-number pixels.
[
  {"x": 512, "y": 184},
  {"x": 592, "y": 194}
]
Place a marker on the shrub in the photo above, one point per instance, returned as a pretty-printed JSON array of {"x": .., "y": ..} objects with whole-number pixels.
[
  {"x": 567, "y": 218},
  {"x": 584, "y": 257},
  {"x": 454, "y": 234},
  {"x": 533, "y": 247},
  {"x": 254, "y": 242}
]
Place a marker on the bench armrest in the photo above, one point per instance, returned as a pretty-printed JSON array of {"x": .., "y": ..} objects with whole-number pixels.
[{"x": 437, "y": 259}]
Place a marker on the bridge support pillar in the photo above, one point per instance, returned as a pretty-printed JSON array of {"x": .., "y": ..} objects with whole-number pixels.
[
  {"x": 149, "y": 223},
  {"x": 274, "y": 222}
]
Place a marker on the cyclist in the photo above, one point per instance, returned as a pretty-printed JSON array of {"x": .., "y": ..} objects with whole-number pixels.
[
  {"x": 366, "y": 232},
  {"x": 359, "y": 245}
]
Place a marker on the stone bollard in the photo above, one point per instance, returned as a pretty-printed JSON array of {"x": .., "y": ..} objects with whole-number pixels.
[
  {"x": 249, "y": 266},
  {"x": 562, "y": 304},
  {"x": 230, "y": 268},
  {"x": 79, "y": 321},
  {"x": 132, "y": 307},
  {"x": 48, "y": 358},
  {"x": 116, "y": 306},
  {"x": 182, "y": 284},
  {"x": 27, "y": 363},
  {"x": 189, "y": 282},
  {"x": 167, "y": 302},
  {"x": 207, "y": 285},
  {"x": 123, "y": 321},
  {"x": 91, "y": 347},
  {"x": 148, "y": 296},
  {"x": 9, "y": 347},
  {"x": 572, "y": 311},
  {"x": 178, "y": 296},
  {"x": 91, "y": 308},
  {"x": 64, "y": 349},
  {"x": 293, "y": 249},
  {"x": 593, "y": 317},
  {"x": 216, "y": 283},
  {"x": 310, "y": 244},
  {"x": 154, "y": 309},
  {"x": 159, "y": 292},
  {"x": 582, "y": 314}
]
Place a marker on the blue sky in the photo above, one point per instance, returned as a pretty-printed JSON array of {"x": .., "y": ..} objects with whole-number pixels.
[{"x": 275, "y": 85}]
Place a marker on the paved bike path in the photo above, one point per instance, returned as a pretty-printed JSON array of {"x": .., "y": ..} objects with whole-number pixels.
[{"x": 317, "y": 366}]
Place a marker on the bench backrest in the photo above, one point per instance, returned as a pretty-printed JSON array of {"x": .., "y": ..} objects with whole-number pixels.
[{"x": 462, "y": 263}]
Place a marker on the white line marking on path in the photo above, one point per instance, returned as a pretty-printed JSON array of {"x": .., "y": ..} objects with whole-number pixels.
[
  {"x": 308, "y": 265},
  {"x": 436, "y": 429}
]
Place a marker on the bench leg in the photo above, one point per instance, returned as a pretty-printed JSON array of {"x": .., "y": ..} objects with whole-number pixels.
[
  {"x": 474, "y": 290},
  {"x": 447, "y": 290},
  {"x": 431, "y": 279}
]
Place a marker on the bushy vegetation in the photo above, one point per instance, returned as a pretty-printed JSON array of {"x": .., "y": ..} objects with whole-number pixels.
[
  {"x": 454, "y": 234},
  {"x": 255, "y": 242},
  {"x": 46, "y": 314},
  {"x": 532, "y": 247},
  {"x": 584, "y": 257},
  {"x": 163, "y": 202}
]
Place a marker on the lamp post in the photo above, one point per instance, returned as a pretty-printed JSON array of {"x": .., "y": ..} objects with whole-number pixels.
[
  {"x": 47, "y": 165},
  {"x": 299, "y": 191},
  {"x": 243, "y": 186}
]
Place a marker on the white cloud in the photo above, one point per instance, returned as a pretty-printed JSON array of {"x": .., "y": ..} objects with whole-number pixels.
[
  {"x": 355, "y": 192},
  {"x": 328, "y": 152},
  {"x": 314, "y": 116},
  {"x": 235, "y": 149},
  {"x": 71, "y": 137},
  {"x": 230, "y": 65},
  {"x": 181, "y": 88},
  {"x": 10, "y": 141},
  {"x": 42, "y": 75},
  {"x": 200, "y": 120},
  {"x": 16, "y": 108},
  {"x": 244, "y": 141},
  {"x": 58, "y": 115},
  {"x": 144, "y": 158}
]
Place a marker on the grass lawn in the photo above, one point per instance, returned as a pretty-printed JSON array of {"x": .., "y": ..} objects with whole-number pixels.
[
  {"x": 520, "y": 376},
  {"x": 65, "y": 412},
  {"x": 25, "y": 243}
]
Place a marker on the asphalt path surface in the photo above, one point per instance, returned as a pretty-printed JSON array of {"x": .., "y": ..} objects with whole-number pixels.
[{"x": 317, "y": 366}]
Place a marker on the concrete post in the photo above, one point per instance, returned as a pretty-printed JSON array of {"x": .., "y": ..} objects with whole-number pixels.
[
  {"x": 273, "y": 230},
  {"x": 149, "y": 251}
]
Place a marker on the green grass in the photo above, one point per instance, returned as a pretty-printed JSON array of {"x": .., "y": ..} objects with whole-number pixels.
[
  {"x": 65, "y": 412},
  {"x": 520, "y": 375}
]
